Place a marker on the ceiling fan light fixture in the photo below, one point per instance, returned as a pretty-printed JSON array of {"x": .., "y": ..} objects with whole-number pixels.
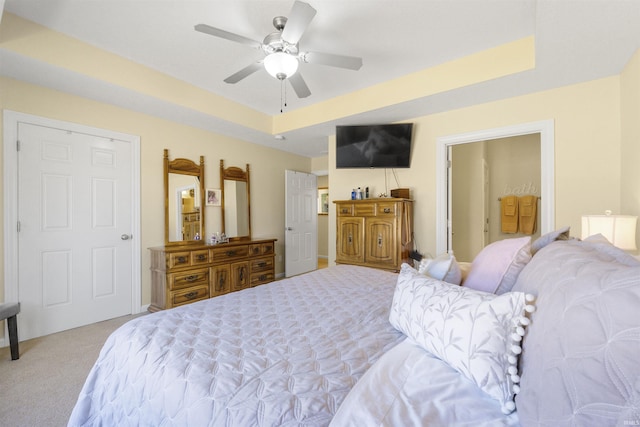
[{"x": 281, "y": 65}]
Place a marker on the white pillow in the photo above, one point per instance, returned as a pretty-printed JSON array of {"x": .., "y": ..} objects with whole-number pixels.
[
  {"x": 476, "y": 333},
  {"x": 496, "y": 268},
  {"x": 408, "y": 386},
  {"x": 443, "y": 267}
]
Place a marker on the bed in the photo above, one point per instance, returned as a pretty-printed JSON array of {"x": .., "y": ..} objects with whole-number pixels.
[
  {"x": 534, "y": 329},
  {"x": 286, "y": 353}
]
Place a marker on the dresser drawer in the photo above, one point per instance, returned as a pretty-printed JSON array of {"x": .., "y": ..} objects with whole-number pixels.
[
  {"x": 188, "y": 278},
  {"x": 200, "y": 257},
  {"x": 344, "y": 209},
  {"x": 231, "y": 253},
  {"x": 190, "y": 295},
  {"x": 386, "y": 209},
  {"x": 364, "y": 209},
  {"x": 261, "y": 264},
  {"x": 261, "y": 278},
  {"x": 262, "y": 249},
  {"x": 179, "y": 259}
]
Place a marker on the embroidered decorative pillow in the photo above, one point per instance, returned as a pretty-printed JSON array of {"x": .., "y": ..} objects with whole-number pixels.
[
  {"x": 496, "y": 268},
  {"x": 443, "y": 267},
  {"x": 476, "y": 333}
]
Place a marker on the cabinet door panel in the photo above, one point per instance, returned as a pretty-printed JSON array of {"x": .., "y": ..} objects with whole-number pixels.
[
  {"x": 240, "y": 278},
  {"x": 350, "y": 241},
  {"x": 220, "y": 280},
  {"x": 380, "y": 241}
]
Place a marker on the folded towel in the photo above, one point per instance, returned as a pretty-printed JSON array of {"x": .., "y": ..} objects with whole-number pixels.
[
  {"x": 528, "y": 207},
  {"x": 509, "y": 214}
]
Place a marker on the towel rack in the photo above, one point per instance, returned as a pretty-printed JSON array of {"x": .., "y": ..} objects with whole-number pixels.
[{"x": 500, "y": 199}]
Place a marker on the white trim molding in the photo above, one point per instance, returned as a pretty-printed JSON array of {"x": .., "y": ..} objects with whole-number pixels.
[{"x": 547, "y": 171}]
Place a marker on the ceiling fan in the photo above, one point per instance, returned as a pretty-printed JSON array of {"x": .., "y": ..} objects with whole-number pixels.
[{"x": 282, "y": 54}]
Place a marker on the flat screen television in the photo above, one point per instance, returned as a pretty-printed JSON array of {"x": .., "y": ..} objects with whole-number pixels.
[{"x": 374, "y": 146}]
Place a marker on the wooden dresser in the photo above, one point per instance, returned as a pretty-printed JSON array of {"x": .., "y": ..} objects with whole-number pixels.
[
  {"x": 374, "y": 232},
  {"x": 185, "y": 274}
]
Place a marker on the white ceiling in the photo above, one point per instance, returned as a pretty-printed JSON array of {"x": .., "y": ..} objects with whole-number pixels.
[{"x": 576, "y": 41}]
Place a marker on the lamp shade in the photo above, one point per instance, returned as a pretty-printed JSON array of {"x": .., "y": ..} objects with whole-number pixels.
[
  {"x": 281, "y": 65},
  {"x": 620, "y": 230}
]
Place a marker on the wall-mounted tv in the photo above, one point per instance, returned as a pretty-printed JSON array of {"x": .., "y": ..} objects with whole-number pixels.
[{"x": 374, "y": 146}]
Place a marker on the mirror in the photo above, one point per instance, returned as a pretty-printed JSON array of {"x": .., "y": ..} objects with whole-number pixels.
[
  {"x": 183, "y": 201},
  {"x": 236, "y": 212}
]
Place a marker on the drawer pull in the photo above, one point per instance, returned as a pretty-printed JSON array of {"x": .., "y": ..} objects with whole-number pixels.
[
  {"x": 202, "y": 257},
  {"x": 345, "y": 210},
  {"x": 262, "y": 264},
  {"x": 242, "y": 274},
  {"x": 386, "y": 210},
  {"x": 350, "y": 239},
  {"x": 256, "y": 250},
  {"x": 191, "y": 295},
  {"x": 192, "y": 278},
  {"x": 263, "y": 277},
  {"x": 379, "y": 240},
  {"x": 181, "y": 259},
  {"x": 230, "y": 253}
]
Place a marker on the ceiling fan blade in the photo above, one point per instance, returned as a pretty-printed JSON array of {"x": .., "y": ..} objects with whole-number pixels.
[
  {"x": 340, "y": 61},
  {"x": 207, "y": 29},
  {"x": 299, "y": 18},
  {"x": 245, "y": 72},
  {"x": 299, "y": 85}
]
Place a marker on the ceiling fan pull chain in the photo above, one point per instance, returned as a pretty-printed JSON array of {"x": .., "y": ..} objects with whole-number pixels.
[
  {"x": 283, "y": 94},
  {"x": 281, "y": 102}
]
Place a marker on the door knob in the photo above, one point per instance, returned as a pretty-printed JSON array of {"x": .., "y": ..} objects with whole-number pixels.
[
  {"x": 126, "y": 236},
  {"x": 288, "y": 229}
]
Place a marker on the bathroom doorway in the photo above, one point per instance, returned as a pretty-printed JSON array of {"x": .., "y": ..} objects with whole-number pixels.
[
  {"x": 483, "y": 173},
  {"x": 444, "y": 172}
]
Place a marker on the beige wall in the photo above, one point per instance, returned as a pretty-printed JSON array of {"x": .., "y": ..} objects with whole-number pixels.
[
  {"x": 630, "y": 146},
  {"x": 587, "y": 152},
  {"x": 267, "y": 165},
  {"x": 514, "y": 165}
]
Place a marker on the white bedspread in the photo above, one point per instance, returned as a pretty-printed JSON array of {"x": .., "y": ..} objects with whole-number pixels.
[{"x": 286, "y": 353}]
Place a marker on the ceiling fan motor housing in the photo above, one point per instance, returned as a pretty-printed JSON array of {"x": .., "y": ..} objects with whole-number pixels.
[{"x": 275, "y": 43}]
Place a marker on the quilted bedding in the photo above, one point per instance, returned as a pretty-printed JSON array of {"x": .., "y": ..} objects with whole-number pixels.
[{"x": 286, "y": 353}]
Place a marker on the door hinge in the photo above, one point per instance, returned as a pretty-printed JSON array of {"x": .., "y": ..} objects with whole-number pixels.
[
  {"x": 448, "y": 164},
  {"x": 18, "y": 145},
  {"x": 18, "y": 227}
]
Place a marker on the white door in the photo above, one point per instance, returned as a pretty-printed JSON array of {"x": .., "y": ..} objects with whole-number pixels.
[
  {"x": 301, "y": 225},
  {"x": 75, "y": 224}
]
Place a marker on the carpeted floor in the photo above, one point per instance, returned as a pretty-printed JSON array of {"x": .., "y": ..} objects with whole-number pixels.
[{"x": 41, "y": 388}]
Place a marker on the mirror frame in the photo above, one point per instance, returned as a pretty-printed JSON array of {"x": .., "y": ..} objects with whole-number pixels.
[
  {"x": 183, "y": 167},
  {"x": 234, "y": 173}
]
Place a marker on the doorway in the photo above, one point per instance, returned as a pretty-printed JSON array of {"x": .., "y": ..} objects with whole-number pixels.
[
  {"x": 73, "y": 192},
  {"x": 444, "y": 198},
  {"x": 483, "y": 173}
]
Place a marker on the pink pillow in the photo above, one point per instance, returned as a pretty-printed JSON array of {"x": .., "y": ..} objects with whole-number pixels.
[{"x": 496, "y": 268}]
